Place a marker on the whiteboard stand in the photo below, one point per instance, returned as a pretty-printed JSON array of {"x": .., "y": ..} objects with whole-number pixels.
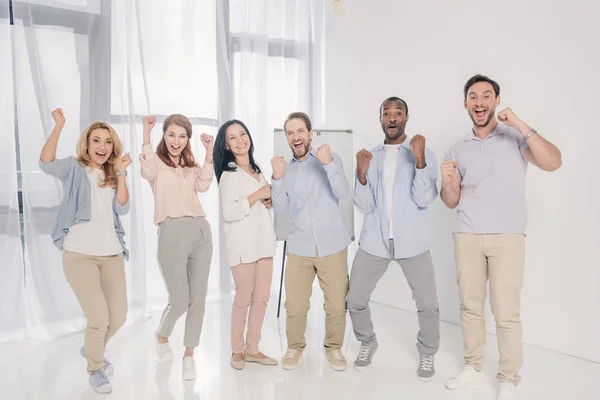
[{"x": 281, "y": 280}]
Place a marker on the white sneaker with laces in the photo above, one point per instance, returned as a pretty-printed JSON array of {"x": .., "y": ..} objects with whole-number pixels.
[
  {"x": 189, "y": 369},
  {"x": 464, "y": 378},
  {"x": 507, "y": 391},
  {"x": 163, "y": 350}
]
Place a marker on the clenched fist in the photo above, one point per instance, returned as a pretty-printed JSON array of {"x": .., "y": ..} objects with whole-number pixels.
[
  {"x": 363, "y": 161},
  {"x": 58, "y": 116},
  {"x": 448, "y": 170},
  {"x": 278, "y": 164},
  {"x": 122, "y": 162},
  {"x": 417, "y": 144},
  {"x": 149, "y": 123},
  {"x": 508, "y": 117},
  {"x": 324, "y": 154}
]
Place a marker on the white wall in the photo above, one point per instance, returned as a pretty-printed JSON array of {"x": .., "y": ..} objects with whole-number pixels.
[{"x": 545, "y": 56}]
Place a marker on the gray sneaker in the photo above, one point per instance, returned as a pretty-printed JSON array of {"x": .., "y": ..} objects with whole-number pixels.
[
  {"x": 99, "y": 382},
  {"x": 365, "y": 356},
  {"x": 109, "y": 369},
  {"x": 426, "y": 369}
]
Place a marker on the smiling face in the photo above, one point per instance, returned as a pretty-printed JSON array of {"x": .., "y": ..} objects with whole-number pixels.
[
  {"x": 99, "y": 146},
  {"x": 393, "y": 119},
  {"x": 176, "y": 139},
  {"x": 237, "y": 140},
  {"x": 299, "y": 137},
  {"x": 481, "y": 103}
]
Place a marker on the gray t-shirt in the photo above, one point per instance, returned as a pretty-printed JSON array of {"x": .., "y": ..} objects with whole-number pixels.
[{"x": 492, "y": 193}]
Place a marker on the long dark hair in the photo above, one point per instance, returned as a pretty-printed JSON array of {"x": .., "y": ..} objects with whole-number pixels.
[{"x": 222, "y": 157}]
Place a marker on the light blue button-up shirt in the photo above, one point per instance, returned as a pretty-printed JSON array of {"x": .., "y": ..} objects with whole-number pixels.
[
  {"x": 414, "y": 190},
  {"x": 310, "y": 192}
]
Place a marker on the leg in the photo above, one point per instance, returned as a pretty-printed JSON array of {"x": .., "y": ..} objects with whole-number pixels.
[
  {"x": 332, "y": 272},
  {"x": 472, "y": 274},
  {"x": 299, "y": 276},
  {"x": 83, "y": 274},
  {"x": 506, "y": 255},
  {"x": 367, "y": 270},
  {"x": 258, "y": 308},
  {"x": 243, "y": 276},
  {"x": 198, "y": 272},
  {"x": 112, "y": 279},
  {"x": 420, "y": 276},
  {"x": 172, "y": 259}
]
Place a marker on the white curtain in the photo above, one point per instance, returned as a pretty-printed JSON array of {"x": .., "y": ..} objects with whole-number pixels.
[{"x": 119, "y": 60}]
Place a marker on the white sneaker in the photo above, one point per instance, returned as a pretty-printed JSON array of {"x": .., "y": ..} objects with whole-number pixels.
[
  {"x": 507, "y": 391},
  {"x": 163, "y": 350},
  {"x": 189, "y": 369},
  {"x": 464, "y": 378}
]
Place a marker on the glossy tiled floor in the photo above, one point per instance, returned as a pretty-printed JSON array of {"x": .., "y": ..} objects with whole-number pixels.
[{"x": 52, "y": 369}]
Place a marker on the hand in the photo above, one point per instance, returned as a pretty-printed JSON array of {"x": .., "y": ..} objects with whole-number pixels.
[
  {"x": 363, "y": 161},
  {"x": 417, "y": 144},
  {"x": 264, "y": 192},
  {"x": 278, "y": 164},
  {"x": 149, "y": 123},
  {"x": 58, "y": 116},
  {"x": 508, "y": 118},
  {"x": 207, "y": 141},
  {"x": 267, "y": 203},
  {"x": 448, "y": 169},
  {"x": 122, "y": 162},
  {"x": 324, "y": 154}
]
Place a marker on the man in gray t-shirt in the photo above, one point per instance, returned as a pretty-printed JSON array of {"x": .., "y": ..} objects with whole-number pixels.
[{"x": 483, "y": 177}]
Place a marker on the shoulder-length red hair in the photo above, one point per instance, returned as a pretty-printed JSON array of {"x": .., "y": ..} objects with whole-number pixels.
[{"x": 187, "y": 158}]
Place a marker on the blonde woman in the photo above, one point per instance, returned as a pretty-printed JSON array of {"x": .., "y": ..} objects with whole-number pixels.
[
  {"x": 184, "y": 234},
  {"x": 90, "y": 234},
  {"x": 249, "y": 237}
]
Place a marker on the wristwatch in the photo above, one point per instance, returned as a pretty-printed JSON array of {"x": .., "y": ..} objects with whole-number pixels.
[{"x": 119, "y": 173}]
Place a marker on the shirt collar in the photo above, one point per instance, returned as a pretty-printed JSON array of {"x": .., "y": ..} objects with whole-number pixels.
[
  {"x": 312, "y": 153},
  {"x": 405, "y": 144},
  {"x": 499, "y": 131}
]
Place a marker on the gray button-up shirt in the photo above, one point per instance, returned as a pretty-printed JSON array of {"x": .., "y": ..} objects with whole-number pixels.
[{"x": 493, "y": 171}]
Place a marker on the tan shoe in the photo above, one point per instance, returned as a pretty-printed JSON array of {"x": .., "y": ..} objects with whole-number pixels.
[
  {"x": 291, "y": 359},
  {"x": 336, "y": 359},
  {"x": 260, "y": 358},
  {"x": 237, "y": 364}
]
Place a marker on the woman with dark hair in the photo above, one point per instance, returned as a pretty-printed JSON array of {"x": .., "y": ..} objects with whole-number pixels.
[
  {"x": 249, "y": 238},
  {"x": 184, "y": 234}
]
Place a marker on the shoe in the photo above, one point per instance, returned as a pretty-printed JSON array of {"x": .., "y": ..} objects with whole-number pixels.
[
  {"x": 109, "y": 369},
  {"x": 507, "y": 391},
  {"x": 163, "y": 350},
  {"x": 426, "y": 369},
  {"x": 336, "y": 359},
  {"x": 291, "y": 359},
  {"x": 99, "y": 382},
  {"x": 266, "y": 360},
  {"x": 365, "y": 356},
  {"x": 464, "y": 378},
  {"x": 189, "y": 369},
  {"x": 237, "y": 364}
]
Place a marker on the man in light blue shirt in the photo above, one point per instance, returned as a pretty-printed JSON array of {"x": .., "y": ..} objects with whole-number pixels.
[
  {"x": 395, "y": 183},
  {"x": 309, "y": 189}
]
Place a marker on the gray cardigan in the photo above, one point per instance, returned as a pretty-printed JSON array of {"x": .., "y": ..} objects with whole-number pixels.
[{"x": 76, "y": 204}]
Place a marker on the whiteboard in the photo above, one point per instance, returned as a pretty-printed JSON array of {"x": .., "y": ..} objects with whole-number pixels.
[{"x": 340, "y": 141}]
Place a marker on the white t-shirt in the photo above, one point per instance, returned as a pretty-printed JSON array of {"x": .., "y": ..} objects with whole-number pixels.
[
  {"x": 389, "y": 174},
  {"x": 96, "y": 237}
]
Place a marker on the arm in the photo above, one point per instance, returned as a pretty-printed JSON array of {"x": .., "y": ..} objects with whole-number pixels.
[
  {"x": 148, "y": 159},
  {"x": 424, "y": 189},
  {"x": 279, "y": 197},
  {"x": 122, "y": 195},
  {"x": 337, "y": 178},
  {"x": 364, "y": 198},
  {"x": 58, "y": 168},
  {"x": 204, "y": 176}
]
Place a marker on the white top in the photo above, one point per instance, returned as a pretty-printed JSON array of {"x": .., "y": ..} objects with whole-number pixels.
[
  {"x": 249, "y": 231},
  {"x": 389, "y": 174},
  {"x": 98, "y": 236}
]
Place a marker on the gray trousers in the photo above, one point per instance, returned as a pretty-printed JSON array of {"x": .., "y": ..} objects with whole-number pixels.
[
  {"x": 418, "y": 271},
  {"x": 184, "y": 256}
]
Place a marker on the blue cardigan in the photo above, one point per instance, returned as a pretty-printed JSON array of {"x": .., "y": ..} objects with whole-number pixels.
[{"x": 76, "y": 204}]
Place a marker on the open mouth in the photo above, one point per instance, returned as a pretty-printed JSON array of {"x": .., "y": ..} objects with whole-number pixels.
[
  {"x": 101, "y": 154},
  {"x": 392, "y": 127},
  {"x": 480, "y": 113},
  {"x": 298, "y": 145},
  {"x": 175, "y": 148}
]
